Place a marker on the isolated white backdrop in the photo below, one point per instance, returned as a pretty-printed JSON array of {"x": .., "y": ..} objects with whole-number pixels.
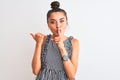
[{"x": 94, "y": 22}]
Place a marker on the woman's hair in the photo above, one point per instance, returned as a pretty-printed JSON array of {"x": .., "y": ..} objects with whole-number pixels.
[{"x": 55, "y": 8}]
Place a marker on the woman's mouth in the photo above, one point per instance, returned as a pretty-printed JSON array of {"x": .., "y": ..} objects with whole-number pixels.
[{"x": 58, "y": 31}]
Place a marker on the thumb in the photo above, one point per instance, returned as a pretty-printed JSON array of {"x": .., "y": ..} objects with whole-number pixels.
[{"x": 33, "y": 36}]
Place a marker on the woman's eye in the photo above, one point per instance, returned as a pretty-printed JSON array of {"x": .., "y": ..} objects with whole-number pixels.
[
  {"x": 61, "y": 21},
  {"x": 52, "y": 22}
]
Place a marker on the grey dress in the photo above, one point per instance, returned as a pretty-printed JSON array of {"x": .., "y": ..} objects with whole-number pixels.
[{"x": 52, "y": 65}]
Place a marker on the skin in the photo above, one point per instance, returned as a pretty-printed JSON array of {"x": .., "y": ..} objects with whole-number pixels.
[{"x": 57, "y": 23}]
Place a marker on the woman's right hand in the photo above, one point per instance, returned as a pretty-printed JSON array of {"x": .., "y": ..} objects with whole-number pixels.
[
  {"x": 36, "y": 61},
  {"x": 38, "y": 37}
]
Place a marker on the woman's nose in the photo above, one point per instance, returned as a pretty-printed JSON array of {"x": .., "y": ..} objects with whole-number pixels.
[{"x": 57, "y": 25}]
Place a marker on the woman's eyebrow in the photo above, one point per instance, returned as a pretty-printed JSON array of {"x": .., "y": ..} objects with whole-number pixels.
[
  {"x": 61, "y": 18},
  {"x": 55, "y": 20},
  {"x": 52, "y": 19}
]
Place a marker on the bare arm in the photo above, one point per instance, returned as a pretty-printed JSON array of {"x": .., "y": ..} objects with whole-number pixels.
[
  {"x": 71, "y": 65},
  {"x": 36, "y": 61}
]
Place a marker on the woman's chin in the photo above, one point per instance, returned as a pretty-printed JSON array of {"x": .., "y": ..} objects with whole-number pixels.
[{"x": 55, "y": 34}]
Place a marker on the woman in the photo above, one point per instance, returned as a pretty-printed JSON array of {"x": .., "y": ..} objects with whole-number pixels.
[{"x": 56, "y": 55}]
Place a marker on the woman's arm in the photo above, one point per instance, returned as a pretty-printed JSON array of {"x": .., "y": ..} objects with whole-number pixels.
[
  {"x": 36, "y": 61},
  {"x": 71, "y": 65}
]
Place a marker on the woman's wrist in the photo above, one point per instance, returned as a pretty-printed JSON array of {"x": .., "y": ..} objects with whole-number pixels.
[
  {"x": 63, "y": 51},
  {"x": 38, "y": 44}
]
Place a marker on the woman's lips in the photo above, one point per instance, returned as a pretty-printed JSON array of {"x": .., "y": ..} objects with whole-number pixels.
[{"x": 57, "y": 31}]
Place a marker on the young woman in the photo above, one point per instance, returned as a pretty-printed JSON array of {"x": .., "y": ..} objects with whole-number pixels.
[{"x": 56, "y": 55}]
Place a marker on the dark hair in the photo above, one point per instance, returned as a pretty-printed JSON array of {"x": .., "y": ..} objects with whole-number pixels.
[{"x": 55, "y": 8}]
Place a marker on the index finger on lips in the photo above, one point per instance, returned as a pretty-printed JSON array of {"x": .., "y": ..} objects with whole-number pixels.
[{"x": 59, "y": 32}]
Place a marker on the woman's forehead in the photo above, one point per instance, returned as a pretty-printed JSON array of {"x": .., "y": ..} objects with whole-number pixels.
[{"x": 57, "y": 15}]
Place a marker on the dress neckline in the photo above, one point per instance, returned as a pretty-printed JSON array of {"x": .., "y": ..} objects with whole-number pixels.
[{"x": 63, "y": 41}]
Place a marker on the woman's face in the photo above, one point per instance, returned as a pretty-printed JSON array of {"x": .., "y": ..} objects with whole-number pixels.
[{"x": 57, "y": 22}]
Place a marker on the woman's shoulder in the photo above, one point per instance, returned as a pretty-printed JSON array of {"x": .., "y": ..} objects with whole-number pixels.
[
  {"x": 45, "y": 36},
  {"x": 75, "y": 41},
  {"x": 75, "y": 46}
]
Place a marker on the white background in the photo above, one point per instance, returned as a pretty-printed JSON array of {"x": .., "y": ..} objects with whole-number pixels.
[{"x": 96, "y": 23}]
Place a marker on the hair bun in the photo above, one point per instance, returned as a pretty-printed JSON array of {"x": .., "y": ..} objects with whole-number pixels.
[{"x": 55, "y": 4}]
